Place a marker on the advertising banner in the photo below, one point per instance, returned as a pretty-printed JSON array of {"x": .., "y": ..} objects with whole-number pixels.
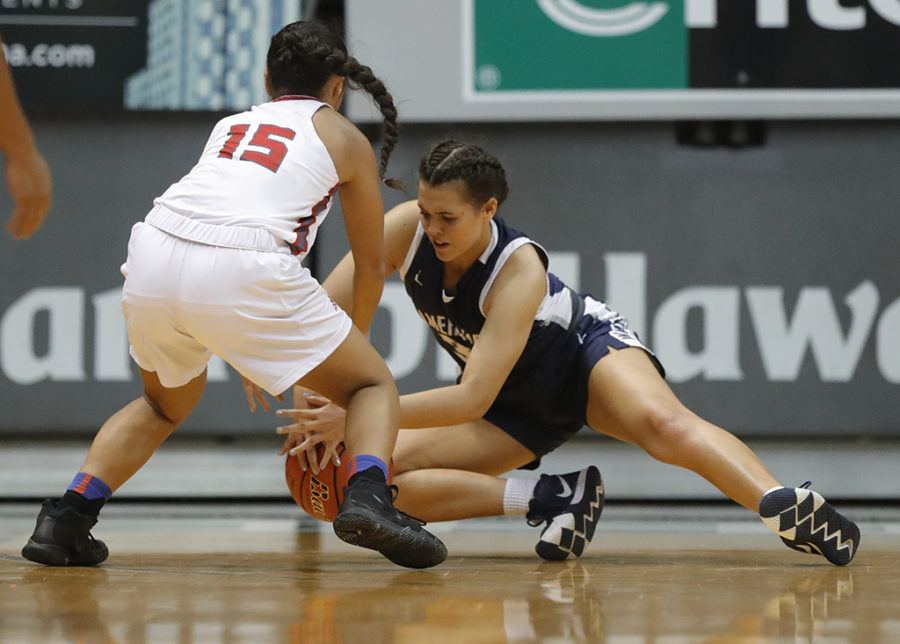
[
  {"x": 114, "y": 55},
  {"x": 486, "y": 60},
  {"x": 765, "y": 280}
]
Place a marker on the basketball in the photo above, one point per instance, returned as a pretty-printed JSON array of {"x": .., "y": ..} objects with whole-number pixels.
[{"x": 320, "y": 495}]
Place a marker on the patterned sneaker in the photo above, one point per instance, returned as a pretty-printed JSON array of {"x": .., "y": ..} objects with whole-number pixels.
[
  {"x": 807, "y": 522},
  {"x": 368, "y": 519},
  {"x": 62, "y": 537},
  {"x": 571, "y": 505}
]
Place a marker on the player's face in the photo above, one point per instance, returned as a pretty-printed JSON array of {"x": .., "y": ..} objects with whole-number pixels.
[{"x": 457, "y": 229}]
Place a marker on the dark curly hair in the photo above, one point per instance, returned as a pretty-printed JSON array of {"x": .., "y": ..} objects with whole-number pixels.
[
  {"x": 304, "y": 55},
  {"x": 481, "y": 173}
]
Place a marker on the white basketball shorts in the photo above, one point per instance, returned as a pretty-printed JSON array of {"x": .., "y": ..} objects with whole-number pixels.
[{"x": 258, "y": 309}]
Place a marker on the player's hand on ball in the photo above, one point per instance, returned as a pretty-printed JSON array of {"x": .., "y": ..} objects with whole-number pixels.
[
  {"x": 315, "y": 415},
  {"x": 316, "y": 420},
  {"x": 303, "y": 446},
  {"x": 305, "y": 457},
  {"x": 255, "y": 393}
]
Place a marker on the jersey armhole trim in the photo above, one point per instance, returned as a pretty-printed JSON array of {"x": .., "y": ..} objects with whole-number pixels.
[
  {"x": 413, "y": 247},
  {"x": 505, "y": 254}
]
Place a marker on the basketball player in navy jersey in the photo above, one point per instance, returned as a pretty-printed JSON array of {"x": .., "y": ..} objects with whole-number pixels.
[
  {"x": 538, "y": 362},
  {"x": 214, "y": 268}
]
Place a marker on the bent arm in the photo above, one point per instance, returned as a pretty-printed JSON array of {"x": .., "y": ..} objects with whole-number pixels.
[
  {"x": 510, "y": 309},
  {"x": 399, "y": 228},
  {"x": 361, "y": 203},
  {"x": 360, "y": 195}
]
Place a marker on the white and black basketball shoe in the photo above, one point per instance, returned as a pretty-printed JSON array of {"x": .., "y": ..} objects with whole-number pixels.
[
  {"x": 570, "y": 504},
  {"x": 806, "y": 522}
]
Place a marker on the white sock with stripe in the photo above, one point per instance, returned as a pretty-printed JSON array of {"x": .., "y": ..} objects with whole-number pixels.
[{"x": 517, "y": 495}]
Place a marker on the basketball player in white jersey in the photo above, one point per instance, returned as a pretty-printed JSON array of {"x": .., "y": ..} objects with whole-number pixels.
[
  {"x": 215, "y": 269},
  {"x": 538, "y": 361}
]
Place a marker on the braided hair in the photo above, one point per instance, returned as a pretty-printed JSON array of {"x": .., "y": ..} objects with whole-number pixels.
[
  {"x": 481, "y": 173},
  {"x": 304, "y": 55}
]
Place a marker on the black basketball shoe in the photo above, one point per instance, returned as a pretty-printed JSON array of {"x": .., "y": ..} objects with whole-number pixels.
[
  {"x": 368, "y": 518},
  {"x": 62, "y": 537},
  {"x": 571, "y": 505},
  {"x": 807, "y": 522}
]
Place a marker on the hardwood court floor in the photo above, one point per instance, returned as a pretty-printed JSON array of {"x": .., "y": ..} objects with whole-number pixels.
[{"x": 252, "y": 574}]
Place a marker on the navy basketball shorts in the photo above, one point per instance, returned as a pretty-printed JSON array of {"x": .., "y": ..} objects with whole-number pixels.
[{"x": 549, "y": 408}]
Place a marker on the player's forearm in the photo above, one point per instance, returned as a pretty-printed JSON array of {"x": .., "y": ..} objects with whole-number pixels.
[
  {"x": 15, "y": 135},
  {"x": 441, "y": 407},
  {"x": 367, "y": 288}
]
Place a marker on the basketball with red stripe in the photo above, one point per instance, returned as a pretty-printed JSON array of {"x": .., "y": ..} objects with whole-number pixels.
[{"x": 320, "y": 495}]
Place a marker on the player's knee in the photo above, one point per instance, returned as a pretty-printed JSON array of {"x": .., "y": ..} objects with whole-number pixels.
[
  {"x": 173, "y": 416},
  {"x": 402, "y": 461},
  {"x": 378, "y": 381},
  {"x": 669, "y": 433}
]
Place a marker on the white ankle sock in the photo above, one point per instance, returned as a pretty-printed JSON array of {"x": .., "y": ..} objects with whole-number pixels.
[{"x": 517, "y": 494}]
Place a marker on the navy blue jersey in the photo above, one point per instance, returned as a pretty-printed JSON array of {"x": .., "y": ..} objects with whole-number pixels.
[
  {"x": 543, "y": 401},
  {"x": 457, "y": 319}
]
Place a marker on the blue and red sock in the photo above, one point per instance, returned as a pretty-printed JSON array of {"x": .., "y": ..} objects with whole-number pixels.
[
  {"x": 364, "y": 462},
  {"x": 87, "y": 494}
]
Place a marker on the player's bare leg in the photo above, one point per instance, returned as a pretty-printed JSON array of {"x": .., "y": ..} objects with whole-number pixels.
[
  {"x": 629, "y": 400},
  {"x": 124, "y": 443},
  {"x": 129, "y": 437},
  {"x": 450, "y": 473},
  {"x": 355, "y": 377}
]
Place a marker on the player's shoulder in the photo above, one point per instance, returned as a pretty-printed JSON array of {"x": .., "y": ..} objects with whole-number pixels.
[
  {"x": 522, "y": 275},
  {"x": 525, "y": 260},
  {"x": 404, "y": 215},
  {"x": 232, "y": 119},
  {"x": 346, "y": 144},
  {"x": 400, "y": 225},
  {"x": 333, "y": 127}
]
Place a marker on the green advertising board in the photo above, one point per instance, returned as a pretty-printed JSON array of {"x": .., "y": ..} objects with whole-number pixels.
[
  {"x": 548, "y": 60},
  {"x": 578, "y": 45}
]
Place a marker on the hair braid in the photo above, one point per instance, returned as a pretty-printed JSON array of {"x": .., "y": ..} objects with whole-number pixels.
[
  {"x": 482, "y": 174},
  {"x": 364, "y": 77},
  {"x": 302, "y": 57}
]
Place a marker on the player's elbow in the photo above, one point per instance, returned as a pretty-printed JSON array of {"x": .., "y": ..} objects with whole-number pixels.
[{"x": 480, "y": 397}]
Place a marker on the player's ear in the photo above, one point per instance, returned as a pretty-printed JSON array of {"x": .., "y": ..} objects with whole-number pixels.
[
  {"x": 268, "y": 84},
  {"x": 334, "y": 90},
  {"x": 490, "y": 207}
]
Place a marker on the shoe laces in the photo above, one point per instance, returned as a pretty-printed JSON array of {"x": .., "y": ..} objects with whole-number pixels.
[
  {"x": 546, "y": 502},
  {"x": 806, "y": 485}
]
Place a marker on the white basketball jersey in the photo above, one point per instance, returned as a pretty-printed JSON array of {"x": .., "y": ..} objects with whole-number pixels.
[{"x": 265, "y": 168}]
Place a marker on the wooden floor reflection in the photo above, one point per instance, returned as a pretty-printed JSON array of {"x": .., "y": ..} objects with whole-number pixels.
[{"x": 262, "y": 581}]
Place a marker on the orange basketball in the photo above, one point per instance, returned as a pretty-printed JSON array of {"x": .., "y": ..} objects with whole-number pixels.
[{"x": 320, "y": 495}]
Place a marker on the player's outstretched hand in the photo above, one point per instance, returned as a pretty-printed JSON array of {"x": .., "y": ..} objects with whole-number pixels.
[
  {"x": 304, "y": 448},
  {"x": 255, "y": 393},
  {"x": 315, "y": 420},
  {"x": 30, "y": 186},
  {"x": 318, "y": 416}
]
